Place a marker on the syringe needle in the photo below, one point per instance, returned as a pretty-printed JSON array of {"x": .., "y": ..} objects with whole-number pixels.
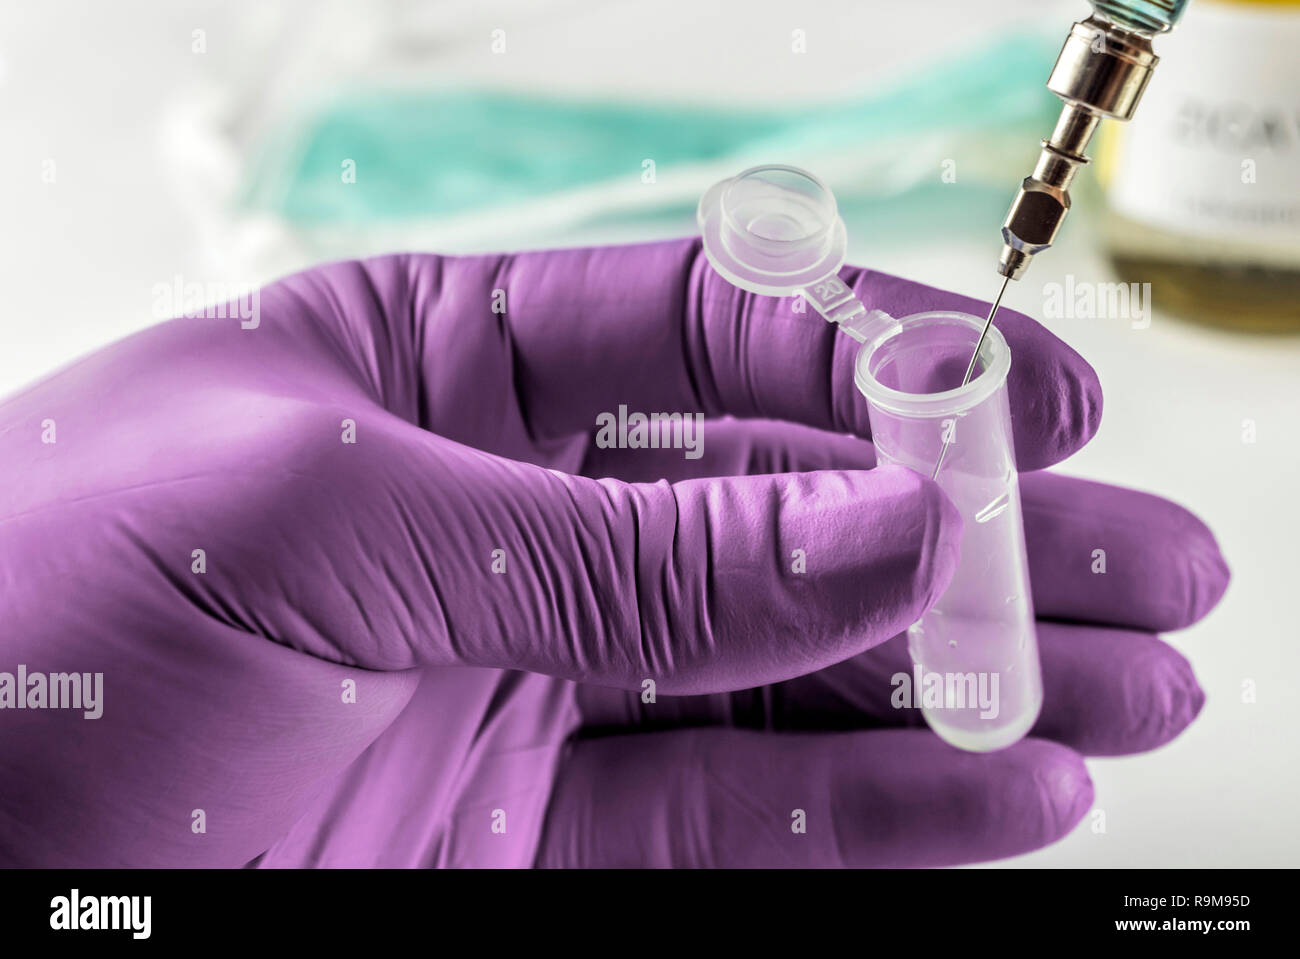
[
  {"x": 974, "y": 357},
  {"x": 970, "y": 367}
]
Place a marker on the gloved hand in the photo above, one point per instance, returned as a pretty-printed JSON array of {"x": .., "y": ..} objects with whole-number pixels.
[{"x": 429, "y": 646}]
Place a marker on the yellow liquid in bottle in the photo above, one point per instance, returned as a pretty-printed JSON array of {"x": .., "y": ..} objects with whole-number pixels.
[{"x": 1202, "y": 189}]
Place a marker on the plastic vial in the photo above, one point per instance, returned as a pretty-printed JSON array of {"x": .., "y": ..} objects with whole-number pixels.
[
  {"x": 975, "y": 654},
  {"x": 776, "y": 231}
]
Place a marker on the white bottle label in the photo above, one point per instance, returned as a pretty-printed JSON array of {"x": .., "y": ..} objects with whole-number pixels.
[{"x": 1215, "y": 147}]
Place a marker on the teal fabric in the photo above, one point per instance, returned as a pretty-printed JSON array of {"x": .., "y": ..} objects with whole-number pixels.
[{"x": 430, "y": 154}]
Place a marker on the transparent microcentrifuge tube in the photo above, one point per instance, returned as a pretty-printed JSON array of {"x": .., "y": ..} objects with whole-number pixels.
[
  {"x": 974, "y": 653},
  {"x": 775, "y": 230}
]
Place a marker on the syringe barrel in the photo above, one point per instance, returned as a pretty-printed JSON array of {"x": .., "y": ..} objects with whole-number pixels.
[
  {"x": 1146, "y": 16},
  {"x": 975, "y": 654}
]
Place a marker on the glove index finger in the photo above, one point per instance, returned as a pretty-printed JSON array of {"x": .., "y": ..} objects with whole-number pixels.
[{"x": 652, "y": 327}]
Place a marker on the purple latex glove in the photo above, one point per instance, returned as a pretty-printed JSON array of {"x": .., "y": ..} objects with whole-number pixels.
[{"x": 498, "y": 717}]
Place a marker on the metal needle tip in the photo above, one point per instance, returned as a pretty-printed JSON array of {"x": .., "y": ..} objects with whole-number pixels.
[
  {"x": 974, "y": 357},
  {"x": 970, "y": 367}
]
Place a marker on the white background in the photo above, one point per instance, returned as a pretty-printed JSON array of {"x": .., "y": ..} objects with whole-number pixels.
[{"x": 89, "y": 84}]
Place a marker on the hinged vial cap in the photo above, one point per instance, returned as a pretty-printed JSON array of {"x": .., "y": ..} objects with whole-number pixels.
[{"x": 772, "y": 230}]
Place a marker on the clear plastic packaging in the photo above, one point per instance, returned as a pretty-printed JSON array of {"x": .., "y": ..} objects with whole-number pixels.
[{"x": 975, "y": 654}]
